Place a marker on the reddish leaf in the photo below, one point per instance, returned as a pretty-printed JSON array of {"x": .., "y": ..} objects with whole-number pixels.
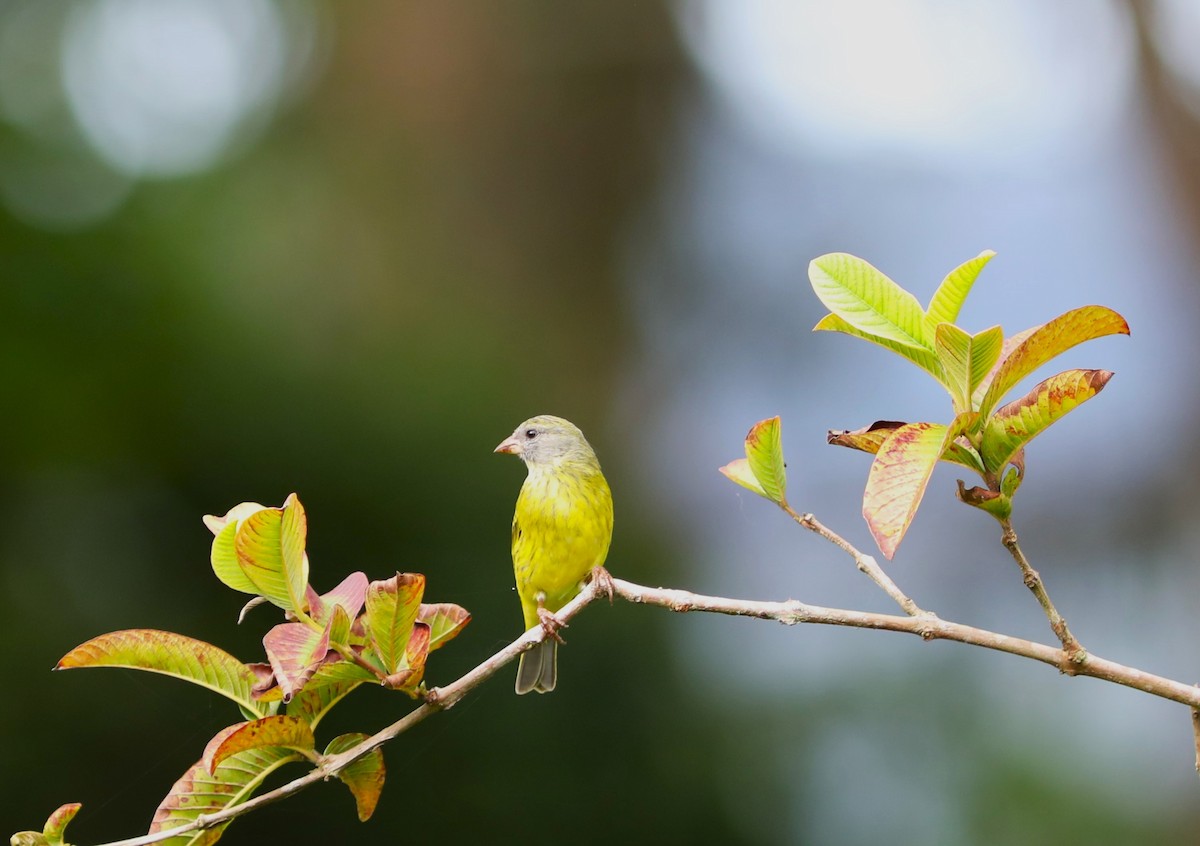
[
  {"x": 295, "y": 650},
  {"x": 199, "y": 792},
  {"x": 1044, "y": 343},
  {"x": 274, "y": 731},
  {"x": 364, "y": 776},
  {"x": 350, "y": 593},
  {"x": 898, "y": 478},
  {"x": 332, "y": 681},
  {"x": 870, "y": 438},
  {"x": 445, "y": 621},
  {"x": 1019, "y": 422}
]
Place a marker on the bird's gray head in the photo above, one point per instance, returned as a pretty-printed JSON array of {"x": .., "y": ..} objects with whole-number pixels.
[{"x": 546, "y": 440}]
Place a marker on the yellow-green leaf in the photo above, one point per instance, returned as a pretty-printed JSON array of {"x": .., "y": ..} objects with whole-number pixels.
[
  {"x": 267, "y": 732},
  {"x": 868, "y": 300},
  {"x": 919, "y": 356},
  {"x": 270, "y": 548},
  {"x": 445, "y": 621},
  {"x": 950, "y": 295},
  {"x": 199, "y": 792},
  {"x": 898, "y": 478},
  {"x": 764, "y": 452},
  {"x": 739, "y": 471},
  {"x": 392, "y": 608},
  {"x": 1019, "y": 422},
  {"x": 364, "y": 776},
  {"x": 966, "y": 359},
  {"x": 172, "y": 655},
  {"x": 225, "y": 562},
  {"x": 55, "y": 830},
  {"x": 1050, "y": 340}
]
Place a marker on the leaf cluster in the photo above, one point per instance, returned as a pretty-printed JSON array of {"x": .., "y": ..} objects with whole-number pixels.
[
  {"x": 977, "y": 370},
  {"x": 328, "y": 645}
]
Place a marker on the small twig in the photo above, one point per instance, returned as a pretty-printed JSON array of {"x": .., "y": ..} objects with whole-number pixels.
[
  {"x": 1075, "y": 654},
  {"x": 865, "y": 563},
  {"x": 791, "y": 612},
  {"x": 1196, "y": 733}
]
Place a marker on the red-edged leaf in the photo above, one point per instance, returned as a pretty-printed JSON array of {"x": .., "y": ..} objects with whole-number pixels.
[
  {"x": 898, "y": 478},
  {"x": 331, "y": 682},
  {"x": 764, "y": 452},
  {"x": 1019, "y": 422},
  {"x": 172, "y": 655},
  {"x": 871, "y": 438},
  {"x": 364, "y": 776},
  {"x": 55, "y": 830},
  {"x": 445, "y": 621},
  {"x": 270, "y": 550},
  {"x": 274, "y": 731},
  {"x": 392, "y": 607},
  {"x": 199, "y": 792},
  {"x": 416, "y": 653},
  {"x": 1050, "y": 340},
  {"x": 295, "y": 650}
]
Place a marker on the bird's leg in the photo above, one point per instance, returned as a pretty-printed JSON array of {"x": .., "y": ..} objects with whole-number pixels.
[
  {"x": 550, "y": 623},
  {"x": 603, "y": 580}
]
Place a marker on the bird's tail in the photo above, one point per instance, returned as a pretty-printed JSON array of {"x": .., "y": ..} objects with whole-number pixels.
[{"x": 538, "y": 669}]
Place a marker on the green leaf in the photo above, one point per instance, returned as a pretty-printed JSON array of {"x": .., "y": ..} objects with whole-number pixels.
[
  {"x": 1011, "y": 481},
  {"x": 364, "y": 776},
  {"x": 199, "y": 792},
  {"x": 1047, "y": 341},
  {"x": 1019, "y": 422},
  {"x": 29, "y": 838},
  {"x": 764, "y": 452},
  {"x": 1006, "y": 349},
  {"x": 868, "y": 300},
  {"x": 966, "y": 360},
  {"x": 898, "y": 478},
  {"x": 270, "y": 548},
  {"x": 392, "y": 608},
  {"x": 225, "y": 562},
  {"x": 739, "y": 471},
  {"x": 331, "y": 683},
  {"x": 445, "y": 621},
  {"x": 55, "y": 829},
  {"x": 919, "y": 356},
  {"x": 871, "y": 438},
  {"x": 268, "y": 732},
  {"x": 172, "y": 655},
  {"x": 950, "y": 295},
  {"x": 295, "y": 650}
]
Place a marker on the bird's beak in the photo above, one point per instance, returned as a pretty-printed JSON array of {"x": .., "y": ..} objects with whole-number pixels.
[{"x": 509, "y": 445}]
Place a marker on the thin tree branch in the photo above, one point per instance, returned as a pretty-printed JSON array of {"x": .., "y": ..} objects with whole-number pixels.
[
  {"x": 790, "y": 612},
  {"x": 865, "y": 563},
  {"x": 1196, "y": 733},
  {"x": 1075, "y": 654}
]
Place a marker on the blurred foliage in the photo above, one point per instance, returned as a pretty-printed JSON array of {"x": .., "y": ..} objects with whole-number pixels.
[{"x": 417, "y": 247}]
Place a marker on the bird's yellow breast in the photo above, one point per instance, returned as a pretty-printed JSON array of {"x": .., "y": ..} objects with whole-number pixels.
[{"x": 561, "y": 530}]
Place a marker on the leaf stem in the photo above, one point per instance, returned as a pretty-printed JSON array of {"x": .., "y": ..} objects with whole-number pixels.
[
  {"x": 1074, "y": 654},
  {"x": 865, "y": 563}
]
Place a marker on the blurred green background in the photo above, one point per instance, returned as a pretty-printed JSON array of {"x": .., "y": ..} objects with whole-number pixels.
[{"x": 252, "y": 247}]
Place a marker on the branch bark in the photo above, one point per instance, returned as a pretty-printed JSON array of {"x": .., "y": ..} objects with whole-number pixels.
[{"x": 790, "y": 612}]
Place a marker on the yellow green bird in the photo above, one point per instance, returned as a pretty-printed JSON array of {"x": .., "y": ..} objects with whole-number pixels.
[{"x": 560, "y": 533}]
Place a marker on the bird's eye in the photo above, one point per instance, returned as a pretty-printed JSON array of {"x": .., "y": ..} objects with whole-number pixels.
[{"x": 531, "y": 433}]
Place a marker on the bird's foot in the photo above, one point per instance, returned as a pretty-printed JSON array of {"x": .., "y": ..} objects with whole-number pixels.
[
  {"x": 551, "y": 624},
  {"x": 604, "y": 581}
]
